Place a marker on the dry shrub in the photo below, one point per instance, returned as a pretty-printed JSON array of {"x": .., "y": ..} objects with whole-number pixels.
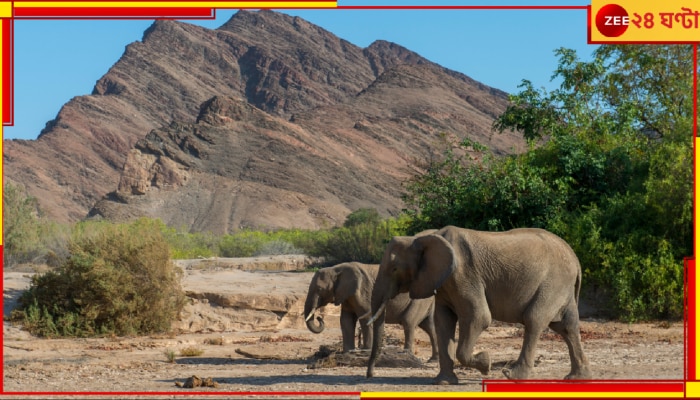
[
  {"x": 217, "y": 341},
  {"x": 191, "y": 352},
  {"x": 118, "y": 280}
]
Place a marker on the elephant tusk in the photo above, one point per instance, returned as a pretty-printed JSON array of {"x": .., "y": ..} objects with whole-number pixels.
[
  {"x": 377, "y": 314},
  {"x": 365, "y": 315},
  {"x": 311, "y": 315}
]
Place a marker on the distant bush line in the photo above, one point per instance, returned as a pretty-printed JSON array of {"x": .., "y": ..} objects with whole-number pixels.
[{"x": 30, "y": 238}]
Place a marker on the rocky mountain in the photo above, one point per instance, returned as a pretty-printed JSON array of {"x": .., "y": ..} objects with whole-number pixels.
[{"x": 268, "y": 121}]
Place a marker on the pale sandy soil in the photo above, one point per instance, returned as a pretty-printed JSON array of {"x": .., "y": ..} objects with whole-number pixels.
[{"x": 278, "y": 349}]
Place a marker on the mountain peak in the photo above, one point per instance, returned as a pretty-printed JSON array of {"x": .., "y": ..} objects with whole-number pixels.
[{"x": 266, "y": 122}]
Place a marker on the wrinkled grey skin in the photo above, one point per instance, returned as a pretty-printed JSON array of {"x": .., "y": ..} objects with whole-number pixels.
[
  {"x": 349, "y": 285},
  {"x": 527, "y": 276}
]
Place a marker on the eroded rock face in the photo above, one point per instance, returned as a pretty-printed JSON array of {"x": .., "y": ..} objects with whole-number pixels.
[
  {"x": 267, "y": 122},
  {"x": 144, "y": 171},
  {"x": 247, "y": 300}
]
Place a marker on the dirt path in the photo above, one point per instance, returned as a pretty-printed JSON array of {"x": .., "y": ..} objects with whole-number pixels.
[{"x": 276, "y": 358}]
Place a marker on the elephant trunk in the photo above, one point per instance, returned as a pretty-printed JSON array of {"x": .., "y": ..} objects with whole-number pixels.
[
  {"x": 384, "y": 290},
  {"x": 378, "y": 334},
  {"x": 315, "y": 328},
  {"x": 379, "y": 299},
  {"x": 309, "y": 309}
]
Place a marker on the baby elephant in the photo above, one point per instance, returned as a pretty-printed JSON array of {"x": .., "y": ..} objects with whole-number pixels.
[{"x": 350, "y": 285}]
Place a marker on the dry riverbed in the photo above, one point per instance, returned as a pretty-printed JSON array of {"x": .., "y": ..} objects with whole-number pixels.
[{"x": 249, "y": 329}]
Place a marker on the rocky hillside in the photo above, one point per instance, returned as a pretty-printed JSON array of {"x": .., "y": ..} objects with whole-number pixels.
[{"x": 267, "y": 121}]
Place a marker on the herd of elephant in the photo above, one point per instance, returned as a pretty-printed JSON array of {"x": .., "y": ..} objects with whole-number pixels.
[{"x": 440, "y": 277}]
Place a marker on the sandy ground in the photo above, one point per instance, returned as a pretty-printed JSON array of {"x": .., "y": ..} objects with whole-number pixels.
[{"x": 240, "y": 357}]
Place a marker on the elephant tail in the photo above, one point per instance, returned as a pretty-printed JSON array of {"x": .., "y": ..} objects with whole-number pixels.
[{"x": 577, "y": 289}]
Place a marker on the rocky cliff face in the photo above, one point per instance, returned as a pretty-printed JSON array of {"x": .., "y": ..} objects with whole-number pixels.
[{"x": 268, "y": 121}]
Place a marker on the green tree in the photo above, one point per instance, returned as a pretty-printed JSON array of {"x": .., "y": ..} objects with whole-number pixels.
[{"x": 609, "y": 169}]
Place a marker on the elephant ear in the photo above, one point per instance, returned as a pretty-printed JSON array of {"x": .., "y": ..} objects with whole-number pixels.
[
  {"x": 436, "y": 262},
  {"x": 347, "y": 284}
]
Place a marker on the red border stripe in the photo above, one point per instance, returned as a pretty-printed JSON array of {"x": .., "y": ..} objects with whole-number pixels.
[
  {"x": 565, "y": 387},
  {"x": 8, "y": 74},
  {"x": 113, "y": 12}
]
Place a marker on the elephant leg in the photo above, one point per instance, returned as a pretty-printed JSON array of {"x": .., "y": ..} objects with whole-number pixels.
[
  {"x": 568, "y": 328},
  {"x": 347, "y": 327},
  {"x": 534, "y": 320},
  {"x": 445, "y": 324},
  {"x": 428, "y": 325},
  {"x": 409, "y": 334},
  {"x": 469, "y": 330}
]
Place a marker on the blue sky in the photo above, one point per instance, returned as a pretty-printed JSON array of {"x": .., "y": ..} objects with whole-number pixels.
[{"x": 56, "y": 60}]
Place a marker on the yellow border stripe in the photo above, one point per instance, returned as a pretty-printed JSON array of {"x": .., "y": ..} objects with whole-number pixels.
[
  {"x": 5, "y": 9},
  {"x": 183, "y": 4}
]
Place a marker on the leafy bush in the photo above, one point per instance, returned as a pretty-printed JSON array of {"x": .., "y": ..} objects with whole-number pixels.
[{"x": 117, "y": 280}]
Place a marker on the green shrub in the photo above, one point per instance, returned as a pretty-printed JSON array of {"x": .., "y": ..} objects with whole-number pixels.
[
  {"x": 242, "y": 244},
  {"x": 363, "y": 242},
  {"x": 249, "y": 243},
  {"x": 28, "y": 237},
  {"x": 362, "y": 216},
  {"x": 187, "y": 245},
  {"x": 117, "y": 280}
]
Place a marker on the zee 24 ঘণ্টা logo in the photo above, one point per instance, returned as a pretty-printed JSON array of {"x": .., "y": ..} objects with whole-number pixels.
[{"x": 613, "y": 20}]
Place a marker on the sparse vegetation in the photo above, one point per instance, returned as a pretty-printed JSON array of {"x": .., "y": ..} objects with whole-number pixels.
[
  {"x": 170, "y": 355},
  {"x": 361, "y": 238}
]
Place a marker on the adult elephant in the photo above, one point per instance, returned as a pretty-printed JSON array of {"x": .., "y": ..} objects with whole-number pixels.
[
  {"x": 350, "y": 285},
  {"x": 528, "y": 276}
]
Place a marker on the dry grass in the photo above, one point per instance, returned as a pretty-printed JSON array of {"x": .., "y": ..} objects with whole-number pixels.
[{"x": 191, "y": 352}]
